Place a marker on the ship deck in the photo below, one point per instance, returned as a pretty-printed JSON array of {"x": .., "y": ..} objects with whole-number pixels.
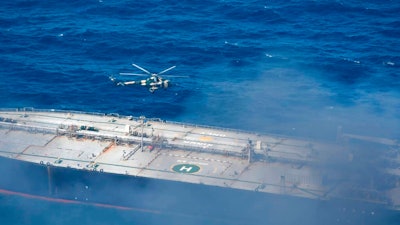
[{"x": 153, "y": 148}]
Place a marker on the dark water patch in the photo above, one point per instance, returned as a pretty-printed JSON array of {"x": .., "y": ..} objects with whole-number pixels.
[
  {"x": 121, "y": 10},
  {"x": 390, "y": 33},
  {"x": 6, "y": 22},
  {"x": 344, "y": 71},
  {"x": 257, "y": 13}
]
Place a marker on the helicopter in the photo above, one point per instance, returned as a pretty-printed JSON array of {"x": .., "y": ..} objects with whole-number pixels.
[{"x": 153, "y": 82}]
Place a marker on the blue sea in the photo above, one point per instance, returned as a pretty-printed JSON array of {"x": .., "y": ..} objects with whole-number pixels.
[{"x": 295, "y": 67}]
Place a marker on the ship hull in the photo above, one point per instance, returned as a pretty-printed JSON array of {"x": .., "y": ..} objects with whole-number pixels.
[{"x": 176, "y": 199}]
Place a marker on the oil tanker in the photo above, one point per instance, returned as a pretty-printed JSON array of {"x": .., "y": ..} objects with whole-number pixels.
[{"x": 195, "y": 171}]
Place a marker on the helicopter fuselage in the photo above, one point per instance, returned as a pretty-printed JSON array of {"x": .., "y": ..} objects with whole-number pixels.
[{"x": 153, "y": 82}]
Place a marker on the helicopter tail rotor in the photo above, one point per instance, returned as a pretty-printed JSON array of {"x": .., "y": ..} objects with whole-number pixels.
[
  {"x": 166, "y": 83},
  {"x": 116, "y": 82}
]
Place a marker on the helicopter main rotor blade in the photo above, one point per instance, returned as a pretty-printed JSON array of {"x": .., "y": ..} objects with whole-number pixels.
[
  {"x": 166, "y": 70},
  {"x": 175, "y": 76},
  {"x": 140, "y": 68},
  {"x": 133, "y": 74}
]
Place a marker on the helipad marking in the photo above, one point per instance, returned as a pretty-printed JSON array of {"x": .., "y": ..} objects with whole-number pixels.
[{"x": 186, "y": 168}]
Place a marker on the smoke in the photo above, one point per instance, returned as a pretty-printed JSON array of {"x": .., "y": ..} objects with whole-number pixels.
[
  {"x": 305, "y": 103},
  {"x": 295, "y": 103}
]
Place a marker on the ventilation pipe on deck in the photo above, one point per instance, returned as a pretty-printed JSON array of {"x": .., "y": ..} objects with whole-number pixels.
[{"x": 250, "y": 150}]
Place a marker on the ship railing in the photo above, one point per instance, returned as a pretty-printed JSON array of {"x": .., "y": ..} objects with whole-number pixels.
[
  {"x": 117, "y": 139},
  {"x": 9, "y": 109},
  {"x": 210, "y": 127},
  {"x": 29, "y": 128},
  {"x": 183, "y": 124},
  {"x": 223, "y": 152},
  {"x": 238, "y": 131},
  {"x": 30, "y": 109},
  {"x": 149, "y": 141},
  {"x": 103, "y": 136}
]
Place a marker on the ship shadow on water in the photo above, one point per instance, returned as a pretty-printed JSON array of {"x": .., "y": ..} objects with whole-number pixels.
[{"x": 30, "y": 210}]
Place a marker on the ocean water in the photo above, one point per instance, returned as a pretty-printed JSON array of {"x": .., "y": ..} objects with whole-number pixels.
[{"x": 301, "y": 68}]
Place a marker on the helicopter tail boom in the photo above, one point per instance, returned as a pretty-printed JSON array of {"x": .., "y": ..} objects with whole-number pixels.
[{"x": 153, "y": 82}]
